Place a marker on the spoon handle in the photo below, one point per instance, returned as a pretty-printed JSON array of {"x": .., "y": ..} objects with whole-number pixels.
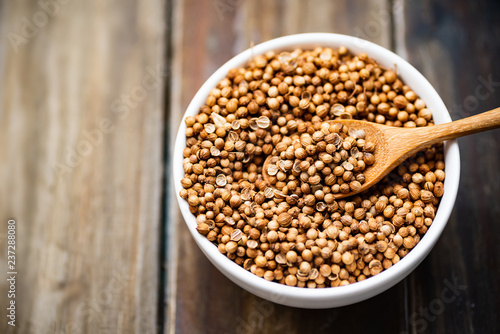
[{"x": 485, "y": 121}]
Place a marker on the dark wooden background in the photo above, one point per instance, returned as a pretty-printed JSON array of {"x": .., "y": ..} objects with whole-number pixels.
[{"x": 102, "y": 248}]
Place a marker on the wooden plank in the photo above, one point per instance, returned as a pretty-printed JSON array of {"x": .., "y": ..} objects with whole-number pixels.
[
  {"x": 455, "y": 44},
  {"x": 83, "y": 80},
  {"x": 200, "y": 298}
]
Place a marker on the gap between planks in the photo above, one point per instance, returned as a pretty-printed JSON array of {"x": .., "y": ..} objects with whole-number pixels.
[{"x": 175, "y": 113}]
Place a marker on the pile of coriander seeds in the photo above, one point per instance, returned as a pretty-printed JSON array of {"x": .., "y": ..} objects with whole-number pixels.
[
  {"x": 335, "y": 156},
  {"x": 303, "y": 236}
]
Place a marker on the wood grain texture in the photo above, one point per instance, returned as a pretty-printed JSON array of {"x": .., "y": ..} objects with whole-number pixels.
[
  {"x": 83, "y": 80},
  {"x": 200, "y": 298},
  {"x": 455, "y": 44}
]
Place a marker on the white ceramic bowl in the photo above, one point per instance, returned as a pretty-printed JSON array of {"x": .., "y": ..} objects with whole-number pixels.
[{"x": 344, "y": 295}]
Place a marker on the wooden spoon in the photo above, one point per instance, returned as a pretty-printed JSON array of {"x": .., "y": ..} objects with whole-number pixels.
[{"x": 393, "y": 145}]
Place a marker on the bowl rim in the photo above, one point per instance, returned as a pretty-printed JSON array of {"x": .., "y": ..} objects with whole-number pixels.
[{"x": 387, "y": 278}]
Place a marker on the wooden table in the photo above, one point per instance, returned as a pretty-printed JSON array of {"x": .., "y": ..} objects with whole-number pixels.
[{"x": 92, "y": 93}]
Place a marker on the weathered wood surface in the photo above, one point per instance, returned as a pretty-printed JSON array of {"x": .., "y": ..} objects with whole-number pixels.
[
  {"x": 90, "y": 235},
  {"x": 87, "y": 224}
]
